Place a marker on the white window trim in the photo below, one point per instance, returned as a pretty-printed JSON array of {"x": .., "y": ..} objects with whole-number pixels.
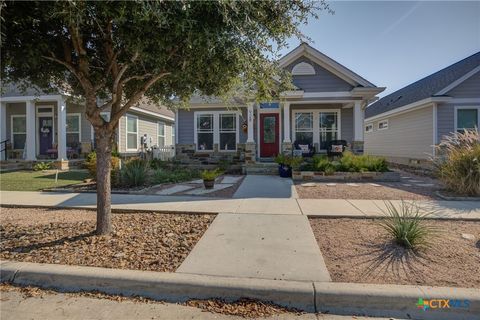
[
  {"x": 11, "y": 128},
  {"x": 382, "y": 121},
  {"x": 455, "y": 115},
  {"x": 159, "y": 135},
  {"x": 216, "y": 129},
  {"x": 316, "y": 124},
  {"x": 369, "y": 125},
  {"x": 79, "y": 115},
  {"x": 127, "y": 132}
]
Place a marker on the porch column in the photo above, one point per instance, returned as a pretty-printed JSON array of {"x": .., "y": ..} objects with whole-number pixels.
[
  {"x": 62, "y": 129},
  {"x": 30, "y": 141},
  {"x": 250, "y": 123},
  {"x": 358, "y": 116},
  {"x": 3, "y": 127},
  {"x": 286, "y": 122}
]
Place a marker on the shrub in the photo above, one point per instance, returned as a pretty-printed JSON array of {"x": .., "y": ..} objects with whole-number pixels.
[
  {"x": 290, "y": 161},
  {"x": 41, "y": 166},
  {"x": 91, "y": 165},
  {"x": 407, "y": 225},
  {"x": 320, "y": 162},
  {"x": 174, "y": 176},
  {"x": 459, "y": 164},
  {"x": 156, "y": 164},
  {"x": 134, "y": 173},
  {"x": 329, "y": 169},
  {"x": 210, "y": 175},
  {"x": 361, "y": 163}
]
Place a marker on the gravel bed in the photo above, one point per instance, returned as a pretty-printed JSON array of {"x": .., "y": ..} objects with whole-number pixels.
[
  {"x": 359, "y": 250},
  {"x": 140, "y": 241}
]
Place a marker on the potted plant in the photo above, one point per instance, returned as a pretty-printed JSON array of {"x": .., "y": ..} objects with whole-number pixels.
[
  {"x": 209, "y": 177},
  {"x": 285, "y": 164}
]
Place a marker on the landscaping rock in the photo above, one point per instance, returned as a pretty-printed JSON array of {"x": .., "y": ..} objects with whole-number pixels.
[{"x": 468, "y": 236}]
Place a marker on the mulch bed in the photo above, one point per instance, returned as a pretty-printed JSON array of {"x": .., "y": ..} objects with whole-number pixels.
[
  {"x": 246, "y": 308},
  {"x": 140, "y": 241},
  {"x": 359, "y": 250}
]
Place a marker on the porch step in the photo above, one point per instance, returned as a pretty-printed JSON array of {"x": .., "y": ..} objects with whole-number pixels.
[{"x": 265, "y": 168}]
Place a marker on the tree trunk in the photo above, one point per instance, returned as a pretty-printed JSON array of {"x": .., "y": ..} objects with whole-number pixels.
[{"x": 104, "y": 141}]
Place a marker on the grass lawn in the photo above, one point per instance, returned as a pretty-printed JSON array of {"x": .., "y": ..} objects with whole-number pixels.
[{"x": 38, "y": 180}]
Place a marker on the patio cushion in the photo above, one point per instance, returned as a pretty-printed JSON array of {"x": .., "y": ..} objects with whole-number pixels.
[
  {"x": 337, "y": 148},
  {"x": 304, "y": 147}
]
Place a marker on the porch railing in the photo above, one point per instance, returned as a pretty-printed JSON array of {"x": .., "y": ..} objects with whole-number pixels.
[{"x": 164, "y": 153}]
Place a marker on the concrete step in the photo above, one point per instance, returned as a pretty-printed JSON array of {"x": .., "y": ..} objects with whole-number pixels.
[{"x": 261, "y": 169}]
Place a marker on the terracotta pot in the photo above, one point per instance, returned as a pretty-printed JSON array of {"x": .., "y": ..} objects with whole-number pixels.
[{"x": 208, "y": 184}]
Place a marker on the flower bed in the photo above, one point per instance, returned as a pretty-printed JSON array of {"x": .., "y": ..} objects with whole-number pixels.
[{"x": 389, "y": 176}]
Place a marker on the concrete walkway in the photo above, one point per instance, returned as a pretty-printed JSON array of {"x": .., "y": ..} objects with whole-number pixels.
[
  {"x": 276, "y": 247},
  {"x": 311, "y": 207},
  {"x": 272, "y": 187}
]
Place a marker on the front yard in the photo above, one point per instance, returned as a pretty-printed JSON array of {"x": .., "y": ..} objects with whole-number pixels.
[
  {"x": 142, "y": 241},
  {"x": 359, "y": 250},
  {"x": 38, "y": 180}
]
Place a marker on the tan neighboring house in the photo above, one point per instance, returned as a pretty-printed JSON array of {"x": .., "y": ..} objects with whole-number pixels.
[
  {"x": 405, "y": 126},
  {"x": 38, "y": 126}
]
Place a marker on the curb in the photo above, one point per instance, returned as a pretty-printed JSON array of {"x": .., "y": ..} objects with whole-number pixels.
[{"x": 326, "y": 297}]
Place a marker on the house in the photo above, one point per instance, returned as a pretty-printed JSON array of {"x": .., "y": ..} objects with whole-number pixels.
[
  {"x": 405, "y": 126},
  {"x": 35, "y": 125},
  {"x": 327, "y": 104}
]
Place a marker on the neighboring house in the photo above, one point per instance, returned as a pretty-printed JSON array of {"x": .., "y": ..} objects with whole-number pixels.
[
  {"x": 406, "y": 125},
  {"x": 327, "y": 104},
  {"x": 52, "y": 126}
]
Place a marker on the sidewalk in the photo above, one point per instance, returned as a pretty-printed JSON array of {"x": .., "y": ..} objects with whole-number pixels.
[{"x": 311, "y": 207}]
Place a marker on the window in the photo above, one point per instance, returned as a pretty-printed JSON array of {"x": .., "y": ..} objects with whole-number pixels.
[
  {"x": 132, "y": 132},
  {"x": 216, "y": 127},
  {"x": 382, "y": 125},
  {"x": 304, "y": 127},
  {"x": 205, "y": 132},
  {"x": 467, "y": 118},
  {"x": 73, "y": 130},
  {"x": 19, "y": 131},
  {"x": 369, "y": 128},
  {"x": 328, "y": 127},
  {"x": 228, "y": 132},
  {"x": 161, "y": 134}
]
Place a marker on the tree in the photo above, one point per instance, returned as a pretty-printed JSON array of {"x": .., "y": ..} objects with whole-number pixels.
[{"x": 119, "y": 52}]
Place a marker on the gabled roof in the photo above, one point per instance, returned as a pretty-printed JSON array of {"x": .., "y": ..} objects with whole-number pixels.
[
  {"x": 435, "y": 85},
  {"x": 304, "y": 49}
]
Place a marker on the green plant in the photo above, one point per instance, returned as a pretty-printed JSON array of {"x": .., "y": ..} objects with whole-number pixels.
[
  {"x": 458, "y": 163},
  {"x": 158, "y": 164},
  {"x": 134, "y": 173},
  {"x": 320, "y": 162},
  {"x": 329, "y": 169},
  {"x": 91, "y": 164},
  {"x": 361, "y": 163},
  {"x": 287, "y": 160},
  {"x": 224, "y": 164},
  {"x": 407, "y": 225},
  {"x": 41, "y": 166},
  {"x": 174, "y": 176},
  {"x": 280, "y": 159},
  {"x": 211, "y": 175}
]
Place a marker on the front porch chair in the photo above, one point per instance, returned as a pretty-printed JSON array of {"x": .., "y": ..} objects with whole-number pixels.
[
  {"x": 307, "y": 149},
  {"x": 336, "y": 147}
]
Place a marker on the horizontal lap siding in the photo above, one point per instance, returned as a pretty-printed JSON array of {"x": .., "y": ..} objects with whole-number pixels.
[
  {"x": 322, "y": 81},
  {"x": 409, "y": 135},
  {"x": 470, "y": 88}
]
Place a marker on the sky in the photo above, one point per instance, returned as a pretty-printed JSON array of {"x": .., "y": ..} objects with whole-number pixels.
[{"x": 394, "y": 43}]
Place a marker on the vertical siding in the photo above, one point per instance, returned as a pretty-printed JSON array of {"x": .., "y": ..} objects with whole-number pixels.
[
  {"x": 409, "y": 135},
  {"x": 323, "y": 80},
  {"x": 470, "y": 88}
]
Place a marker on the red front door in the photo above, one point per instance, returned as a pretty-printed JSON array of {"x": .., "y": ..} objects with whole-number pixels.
[{"x": 269, "y": 134}]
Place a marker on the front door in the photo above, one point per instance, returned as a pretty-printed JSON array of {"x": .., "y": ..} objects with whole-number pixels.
[
  {"x": 45, "y": 133},
  {"x": 269, "y": 134}
]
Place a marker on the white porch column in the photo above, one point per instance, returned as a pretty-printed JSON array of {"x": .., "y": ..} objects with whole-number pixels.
[
  {"x": 250, "y": 123},
  {"x": 62, "y": 129},
  {"x": 358, "y": 118},
  {"x": 3, "y": 128},
  {"x": 286, "y": 122},
  {"x": 31, "y": 139}
]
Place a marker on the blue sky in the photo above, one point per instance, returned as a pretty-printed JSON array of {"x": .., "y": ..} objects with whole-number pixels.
[{"x": 394, "y": 43}]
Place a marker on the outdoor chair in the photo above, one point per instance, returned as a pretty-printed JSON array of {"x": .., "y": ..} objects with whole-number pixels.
[
  {"x": 307, "y": 149},
  {"x": 336, "y": 147}
]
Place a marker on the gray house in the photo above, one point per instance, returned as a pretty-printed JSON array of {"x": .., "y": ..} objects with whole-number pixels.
[
  {"x": 37, "y": 126},
  {"x": 327, "y": 104},
  {"x": 406, "y": 125}
]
